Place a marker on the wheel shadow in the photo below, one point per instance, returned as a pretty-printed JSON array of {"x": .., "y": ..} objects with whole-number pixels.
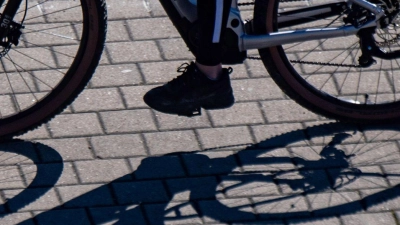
[
  {"x": 24, "y": 174},
  {"x": 320, "y": 172}
]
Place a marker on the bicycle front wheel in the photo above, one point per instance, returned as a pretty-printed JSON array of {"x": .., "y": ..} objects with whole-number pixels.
[
  {"x": 324, "y": 76},
  {"x": 56, "y": 55}
]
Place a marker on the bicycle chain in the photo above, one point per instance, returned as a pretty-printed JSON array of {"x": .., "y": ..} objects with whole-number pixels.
[
  {"x": 300, "y": 61},
  {"x": 313, "y": 63}
]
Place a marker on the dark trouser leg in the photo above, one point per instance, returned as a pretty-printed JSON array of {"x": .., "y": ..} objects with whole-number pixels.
[{"x": 213, "y": 16}]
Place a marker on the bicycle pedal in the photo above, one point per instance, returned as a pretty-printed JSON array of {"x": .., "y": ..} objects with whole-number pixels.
[{"x": 192, "y": 113}]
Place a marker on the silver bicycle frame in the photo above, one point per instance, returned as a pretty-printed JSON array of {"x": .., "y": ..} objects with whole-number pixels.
[{"x": 187, "y": 9}]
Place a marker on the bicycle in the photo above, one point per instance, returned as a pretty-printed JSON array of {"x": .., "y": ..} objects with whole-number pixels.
[
  {"x": 292, "y": 34},
  {"x": 35, "y": 90},
  {"x": 49, "y": 51}
]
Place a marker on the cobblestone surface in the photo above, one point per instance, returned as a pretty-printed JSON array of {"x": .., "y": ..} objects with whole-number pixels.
[{"x": 109, "y": 159}]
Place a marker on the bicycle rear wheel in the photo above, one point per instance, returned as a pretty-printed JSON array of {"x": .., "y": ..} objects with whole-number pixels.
[
  {"x": 58, "y": 51},
  {"x": 323, "y": 75}
]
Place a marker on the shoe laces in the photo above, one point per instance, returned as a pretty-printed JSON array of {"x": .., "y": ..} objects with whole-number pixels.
[{"x": 184, "y": 78}]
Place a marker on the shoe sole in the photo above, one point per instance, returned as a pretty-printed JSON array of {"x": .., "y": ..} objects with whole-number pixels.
[{"x": 191, "y": 109}]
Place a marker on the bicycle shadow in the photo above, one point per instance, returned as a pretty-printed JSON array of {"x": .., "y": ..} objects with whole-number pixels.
[
  {"x": 27, "y": 172},
  {"x": 257, "y": 184}
]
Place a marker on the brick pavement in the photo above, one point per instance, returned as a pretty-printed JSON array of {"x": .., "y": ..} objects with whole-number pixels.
[{"x": 109, "y": 159}]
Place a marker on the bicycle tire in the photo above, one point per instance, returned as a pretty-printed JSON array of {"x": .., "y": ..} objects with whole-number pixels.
[
  {"x": 60, "y": 47},
  {"x": 335, "y": 88}
]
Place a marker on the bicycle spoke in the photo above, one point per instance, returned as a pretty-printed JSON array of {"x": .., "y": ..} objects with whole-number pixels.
[
  {"x": 62, "y": 10},
  {"x": 48, "y": 48}
]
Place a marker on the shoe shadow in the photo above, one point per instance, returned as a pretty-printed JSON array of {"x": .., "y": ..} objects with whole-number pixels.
[{"x": 304, "y": 175}]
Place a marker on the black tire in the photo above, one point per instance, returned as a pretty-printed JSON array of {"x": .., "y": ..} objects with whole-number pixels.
[
  {"x": 60, "y": 47},
  {"x": 352, "y": 94}
]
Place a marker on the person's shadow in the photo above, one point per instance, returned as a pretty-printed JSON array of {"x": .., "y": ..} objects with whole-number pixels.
[{"x": 185, "y": 188}]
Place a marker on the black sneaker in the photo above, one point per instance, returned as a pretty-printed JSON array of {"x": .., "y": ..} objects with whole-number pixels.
[{"x": 189, "y": 92}]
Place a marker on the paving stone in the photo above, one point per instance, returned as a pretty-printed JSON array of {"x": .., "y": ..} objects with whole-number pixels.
[
  {"x": 67, "y": 216},
  {"x": 128, "y": 121},
  {"x": 322, "y": 133},
  {"x": 68, "y": 125},
  {"x": 172, "y": 122},
  {"x": 155, "y": 8},
  {"x": 139, "y": 192},
  {"x": 67, "y": 174},
  {"x": 117, "y": 31},
  {"x": 176, "y": 214},
  {"x": 379, "y": 200},
  {"x": 46, "y": 199},
  {"x": 279, "y": 206},
  {"x": 159, "y": 167},
  {"x": 135, "y": 162},
  {"x": 160, "y": 72},
  {"x": 117, "y": 214},
  {"x": 85, "y": 195},
  {"x": 161, "y": 27},
  {"x": 238, "y": 114},
  {"x": 374, "y": 154},
  {"x": 98, "y": 99},
  {"x": 11, "y": 177},
  {"x": 133, "y": 95},
  {"x": 316, "y": 221},
  {"x": 40, "y": 132},
  {"x": 373, "y": 179},
  {"x": 286, "y": 111},
  {"x": 266, "y": 160},
  {"x": 369, "y": 219},
  {"x": 251, "y": 185},
  {"x": 255, "y": 90},
  {"x": 334, "y": 203},
  {"x": 118, "y": 146},
  {"x": 128, "y": 52},
  {"x": 69, "y": 149},
  {"x": 392, "y": 173},
  {"x": 227, "y": 210},
  {"x": 225, "y": 137},
  {"x": 116, "y": 75},
  {"x": 16, "y": 218},
  {"x": 171, "y": 142},
  {"x": 174, "y": 49},
  {"x": 200, "y": 188},
  {"x": 210, "y": 163},
  {"x": 101, "y": 171},
  {"x": 256, "y": 69},
  {"x": 287, "y": 134},
  {"x": 123, "y": 9},
  {"x": 239, "y": 71},
  {"x": 18, "y": 153},
  {"x": 303, "y": 180}
]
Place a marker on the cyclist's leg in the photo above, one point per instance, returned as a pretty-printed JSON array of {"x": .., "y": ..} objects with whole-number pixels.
[
  {"x": 203, "y": 84},
  {"x": 213, "y": 16}
]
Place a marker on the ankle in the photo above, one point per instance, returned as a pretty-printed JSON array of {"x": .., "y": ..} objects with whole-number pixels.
[{"x": 212, "y": 72}]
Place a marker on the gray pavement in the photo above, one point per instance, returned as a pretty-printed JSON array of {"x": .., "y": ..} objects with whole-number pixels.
[{"x": 109, "y": 159}]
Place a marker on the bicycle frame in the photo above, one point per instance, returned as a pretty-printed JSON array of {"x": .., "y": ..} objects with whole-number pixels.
[{"x": 187, "y": 9}]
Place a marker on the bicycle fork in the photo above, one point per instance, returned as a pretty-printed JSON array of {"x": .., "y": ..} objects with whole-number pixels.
[{"x": 9, "y": 30}]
